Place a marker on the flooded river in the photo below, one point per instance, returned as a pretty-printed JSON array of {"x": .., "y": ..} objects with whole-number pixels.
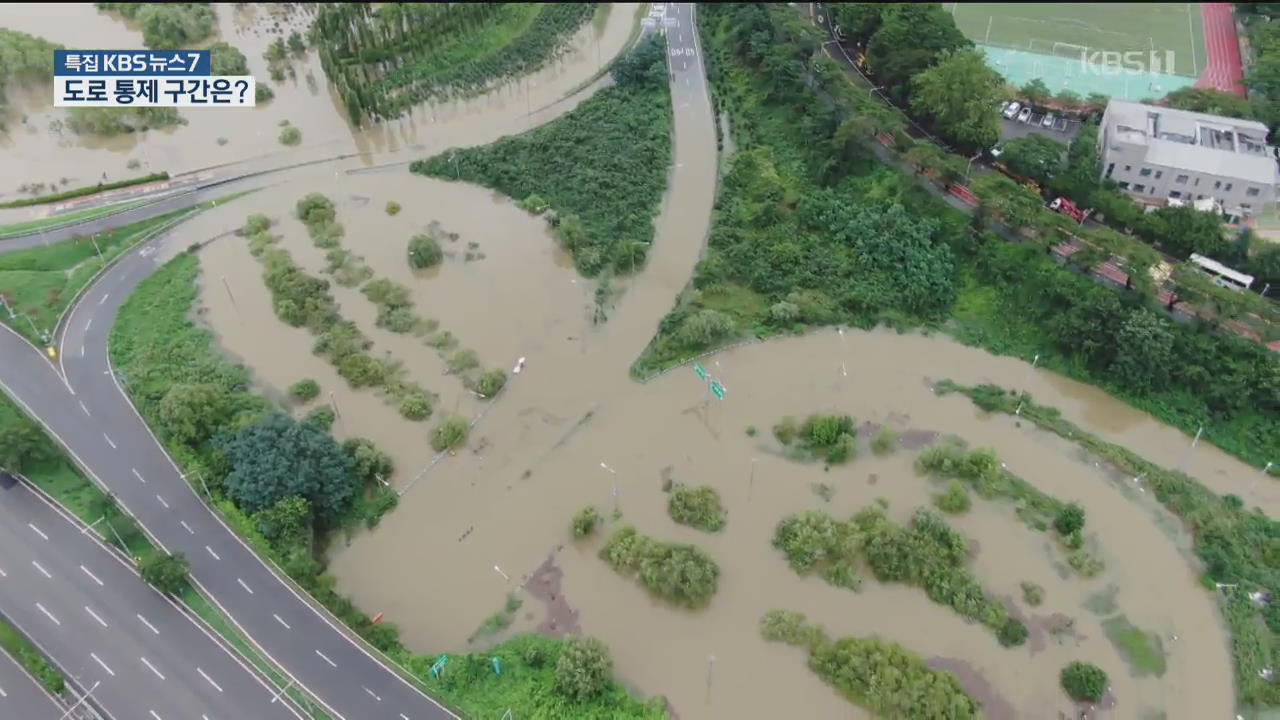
[
  {"x": 535, "y": 458},
  {"x": 35, "y": 152}
]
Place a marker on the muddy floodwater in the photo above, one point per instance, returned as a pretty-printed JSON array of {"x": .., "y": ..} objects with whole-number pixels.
[{"x": 36, "y": 149}]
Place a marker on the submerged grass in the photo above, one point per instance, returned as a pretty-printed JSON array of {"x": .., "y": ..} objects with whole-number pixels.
[{"x": 1143, "y": 651}]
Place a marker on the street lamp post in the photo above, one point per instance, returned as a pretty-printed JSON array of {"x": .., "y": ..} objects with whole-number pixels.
[{"x": 970, "y": 166}]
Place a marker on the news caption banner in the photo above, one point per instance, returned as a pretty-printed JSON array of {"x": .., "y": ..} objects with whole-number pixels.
[{"x": 146, "y": 78}]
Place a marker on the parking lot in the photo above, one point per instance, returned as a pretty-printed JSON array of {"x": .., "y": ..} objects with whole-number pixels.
[{"x": 1064, "y": 130}]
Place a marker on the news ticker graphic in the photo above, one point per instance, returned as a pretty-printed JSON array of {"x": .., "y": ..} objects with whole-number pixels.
[{"x": 146, "y": 78}]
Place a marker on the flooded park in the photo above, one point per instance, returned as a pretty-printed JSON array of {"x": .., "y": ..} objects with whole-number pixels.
[{"x": 575, "y": 429}]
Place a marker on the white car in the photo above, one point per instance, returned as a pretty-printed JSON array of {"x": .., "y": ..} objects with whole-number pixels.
[
  {"x": 1049, "y": 118},
  {"x": 1024, "y": 114},
  {"x": 1011, "y": 110}
]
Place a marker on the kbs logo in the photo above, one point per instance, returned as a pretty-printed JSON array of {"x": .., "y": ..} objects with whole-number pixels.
[{"x": 1136, "y": 62}]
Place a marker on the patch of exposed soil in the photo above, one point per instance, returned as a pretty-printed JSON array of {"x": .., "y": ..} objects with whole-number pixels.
[{"x": 559, "y": 619}]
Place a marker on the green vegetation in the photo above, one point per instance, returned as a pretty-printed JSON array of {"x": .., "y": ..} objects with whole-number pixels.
[
  {"x": 79, "y": 192},
  {"x": 1142, "y": 650},
  {"x": 682, "y": 574},
  {"x": 697, "y": 507},
  {"x": 424, "y": 252},
  {"x": 384, "y": 61},
  {"x": 290, "y": 135},
  {"x": 881, "y": 676},
  {"x": 169, "y": 26},
  {"x": 166, "y": 573},
  {"x": 26, "y": 58},
  {"x": 21, "y": 650},
  {"x": 107, "y": 121},
  {"x": 450, "y": 434},
  {"x": 28, "y": 227},
  {"x": 601, "y": 168},
  {"x": 584, "y": 669},
  {"x": 393, "y": 207},
  {"x": 1084, "y": 682},
  {"x": 885, "y": 441},
  {"x": 1237, "y": 546},
  {"x": 833, "y": 438},
  {"x": 40, "y": 283},
  {"x": 585, "y": 522},
  {"x": 927, "y": 553},
  {"x": 955, "y": 500},
  {"x": 304, "y": 390},
  {"x": 1032, "y": 593},
  {"x": 500, "y": 620}
]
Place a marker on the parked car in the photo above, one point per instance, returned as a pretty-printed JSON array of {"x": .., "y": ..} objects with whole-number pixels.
[
  {"x": 1011, "y": 109},
  {"x": 1049, "y": 119},
  {"x": 1024, "y": 114},
  {"x": 1060, "y": 124}
]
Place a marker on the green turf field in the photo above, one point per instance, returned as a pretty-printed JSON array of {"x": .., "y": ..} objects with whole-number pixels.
[{"x": 1065, "y": 29}]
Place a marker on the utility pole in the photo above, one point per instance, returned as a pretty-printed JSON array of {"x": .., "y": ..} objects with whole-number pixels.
[
  {"x": 1194, "y": 441},
  {"x": 231, "y": 297}
]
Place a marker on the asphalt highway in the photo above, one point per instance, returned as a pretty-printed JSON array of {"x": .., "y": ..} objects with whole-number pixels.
[
  {"x": 21, "y": 696},
  {"x": 121, "y": 642}
]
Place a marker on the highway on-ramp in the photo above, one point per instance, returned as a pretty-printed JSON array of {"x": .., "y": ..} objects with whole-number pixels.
[{"x": 120, "y": 642}]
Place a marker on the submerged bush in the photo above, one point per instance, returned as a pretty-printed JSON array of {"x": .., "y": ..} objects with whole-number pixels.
[
  {"x": 450, "y": 434},
  {"x": 585, "y": 522},
  {"x": 683, "y": 574},
  {"x": 697, "y": 507},
  {"x": 304, "y": 390},
  {"x": 424, "y": 252},
  {"x": 955, "y": 500},
  {"x": 1084, "y": 682}
]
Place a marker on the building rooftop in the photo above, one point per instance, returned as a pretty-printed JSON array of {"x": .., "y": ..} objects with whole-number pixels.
[{"x": 1208, "y": 144}]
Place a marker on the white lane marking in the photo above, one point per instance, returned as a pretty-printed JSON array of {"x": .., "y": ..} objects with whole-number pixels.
[
  {"x": 3, "y": 574},
  {"x": 372, "y": 694},
  {"x": 404, "y": 717},
  {"x": 245, "y": 586},
  {"x": 104, "y": 298},
  {"x": 48, "y": 614},
  {"x": 101, "y": 622},
  {"x": 3, "y": 693},
  {"x": 88, "y": 325},
  {"x": 150, "y": 627},
  {"x": 162, "y": 502},
  {"x": 187, "y": 527},
  {"x": 281, "y": 621},
  {"x": 81, "y": 349},
  {"x": 154, "y": 715},
  {"x": 104, "y": 665},
  {"x": 82, "y": 407},
  {"x": 152, "y": 668},
  {"x": 109, "y": 441},
  {"x": 33, "y": 527},
  {"x": 211, "y": 682},
  {"x": 138, "y": 475},
  {"x": 42, "y": 570},
  {"x": 211, "y": 552},
  {"x": 326, "y": 659},
  {"x": 95, "y": 577}
]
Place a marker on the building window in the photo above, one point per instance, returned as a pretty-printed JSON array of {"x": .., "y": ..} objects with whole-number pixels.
[
  {"x": 1159, "y": 173},
  {"x": 1110, "y": 167},
  {"x": 1217, "y": 184},
  {"x": 1139, "y": 187},
  {"x": 1128, "y": 168},
  {"x": 1197, "y": 182},
  {"x": 1145, "y": 172},
  {"x": 1124, "y": 185},
  {"x": 1182, "y": 179},
  {"x": 1153, "y": 189},
  {"x": 1252, "y": 192},
  {"x": 1228, "y": 187},
  {"x": 1175, "y": 194}
]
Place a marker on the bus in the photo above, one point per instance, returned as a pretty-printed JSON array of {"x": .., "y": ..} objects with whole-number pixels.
[{"x": 1222, "y": 275}]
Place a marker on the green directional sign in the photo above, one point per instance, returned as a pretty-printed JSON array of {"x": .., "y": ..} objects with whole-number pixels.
[
  {"x": 717, "y": 389},
  {"x": 702, "y": 374}
]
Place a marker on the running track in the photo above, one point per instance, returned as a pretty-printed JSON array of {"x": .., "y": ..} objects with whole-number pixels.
[{"x": 1223, "y": 71}]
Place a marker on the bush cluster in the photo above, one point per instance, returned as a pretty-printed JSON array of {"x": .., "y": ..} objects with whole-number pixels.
[
  {"x": 682, "y": 574},
  {"x": 697, "y": 507}
]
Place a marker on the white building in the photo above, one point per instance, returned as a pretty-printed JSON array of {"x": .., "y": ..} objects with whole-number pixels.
[{"x": 1157, "y": 154}]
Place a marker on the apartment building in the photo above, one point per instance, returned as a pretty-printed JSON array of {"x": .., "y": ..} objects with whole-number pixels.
[{"x": 1157, "y": 154}]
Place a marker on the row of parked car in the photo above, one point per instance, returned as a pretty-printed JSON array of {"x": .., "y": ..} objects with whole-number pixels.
[{"x": 1016, "y": 111}]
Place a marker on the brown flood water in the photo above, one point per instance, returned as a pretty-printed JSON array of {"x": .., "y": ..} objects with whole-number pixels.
[
  {"x": 32, "y": 152},
  {"x": 535, "y": 459}
]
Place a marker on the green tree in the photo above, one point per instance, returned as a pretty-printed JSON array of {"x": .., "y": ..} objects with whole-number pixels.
[
  {"x": 168, "y": 26},
  {"x": 164, "y": 572},
  {"x": 1034, "y": 156},
  {"x": 1016, "y": 205},
  {"x": 585, "y": 522},
  {"x": 698, "y": 507},
  {"x": 278, "y": 457},
  {"x": 858, "y": 21},
  {"x": 450, "y": 434},
  {"x": 584, "y": 669},
  {"x": 960, "y": 94},
  {"x": 1070, "y": 519},
  {"x": 415, "y": 405},
  {"x": 1211, "y": 101},
  {"x": 322, "y": 417},
  {"x": 23, "y": 445},
  {"x": 288, "y": 523},
  {"x": 1144, "y": 354},
  {"x": 1036, "y": 92},
  {"x": 955, "y": 500},
  {"x": 1185, "y": 230},
  {"x": 910, "y": 39},
  {"x": 646, "y": 64},
  {"x": 424, "y": 252},
  {"x": 1068, "y": 99},
  {"x": 290, "y": 135},
  {"x": 304, "y": 390},
  {"x": 1084, "y": 682},
  {"x": 367, "y": 460},
  {"x": 191, "y": 413}
]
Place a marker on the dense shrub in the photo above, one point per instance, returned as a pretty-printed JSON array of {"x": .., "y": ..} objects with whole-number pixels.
[
  {"x": 1070, "y": 519},
  {"x": 424, "y": 252},
  {"x": 682, "y": 574},
  {"x": 1084, "y": 682},
  {"x": 585, "y": 522},
  {"x": 697, "y": 507},
  {"x": 304, "y": 390},
  {"x": 322, "y": 417},
  {"x": 415, "y": 405},
  {"x": 584, "y": 669},
  {"x": 450, "y": 434},
  {"x": 955, "y": 500}
]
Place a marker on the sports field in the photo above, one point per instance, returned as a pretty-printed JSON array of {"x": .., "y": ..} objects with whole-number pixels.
[
  {"x": 1067, "y": 29},
  {"x": 1078, "y": 46}
]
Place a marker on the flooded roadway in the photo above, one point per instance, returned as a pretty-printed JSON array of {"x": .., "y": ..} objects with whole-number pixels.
[{"x": 534, "y": 460}]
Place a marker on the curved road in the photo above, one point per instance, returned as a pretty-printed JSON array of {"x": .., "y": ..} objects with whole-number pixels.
[{"x": 83, "y": 407}]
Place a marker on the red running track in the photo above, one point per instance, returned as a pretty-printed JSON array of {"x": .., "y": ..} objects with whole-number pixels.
[{"x": 1223, "y": 69}]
